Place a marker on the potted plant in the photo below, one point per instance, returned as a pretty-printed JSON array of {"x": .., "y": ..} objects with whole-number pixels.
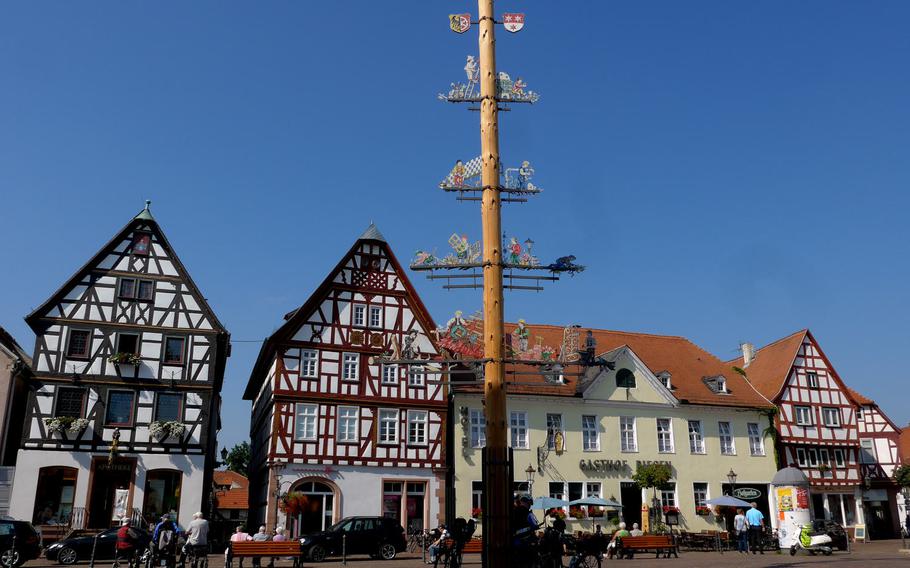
[
  {"x": 556, "y": 513},
  {"x": 125, "y": 359},
  {"x": 161, "y": 430},
  {"x": 702, "y": 510},
  {"x": 293, "y": 503},
  {"x": 477, "y": 513},
  {"x": 824, "y": 468},
  {"x": 64, "y": 425},
  {"x": 577, "y": 513}
]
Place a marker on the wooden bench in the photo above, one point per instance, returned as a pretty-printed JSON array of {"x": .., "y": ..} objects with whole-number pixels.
[
  {"x": 473, "y": 546},
  {"x": 268, "y": 548},
  {"x": 627, "y": 546}
]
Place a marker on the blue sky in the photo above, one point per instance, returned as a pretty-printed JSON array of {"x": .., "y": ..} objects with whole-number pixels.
[{"x": 729, "y": 171}]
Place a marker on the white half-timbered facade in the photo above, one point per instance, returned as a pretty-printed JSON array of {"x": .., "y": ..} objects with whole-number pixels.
[
  {"x": 123, "y": 408},
  {"x": 333, "y": 426}
]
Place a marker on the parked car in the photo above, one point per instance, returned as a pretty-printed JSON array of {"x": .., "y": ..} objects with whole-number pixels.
[
  {"x": 28, "y": 543},
  {"x": 834, "y": 530},
  {"x": 380, "y": 537},
  {"x": 72, "y": 550}
]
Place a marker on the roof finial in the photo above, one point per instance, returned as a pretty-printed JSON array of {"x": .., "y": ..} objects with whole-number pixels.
[
  {"x": 146, "y": 214},
  {"x": 148, "y": 203}
]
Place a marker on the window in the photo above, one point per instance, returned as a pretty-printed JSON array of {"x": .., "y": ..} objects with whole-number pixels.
[
  {"x": 696, "y": 437},
  {"x": 804, "y": 415},
  {"x": 625, "y": 379},
  {"x": 717, "y": 385},
  {"x": 127, "y": 343},
  {"x": 823, "y": 457},
  {"x": 347, "y": 424},
  {"x": 173, "y": 350},
  {"x": 476, "y": 497},
  {"x": 416, "y": 376},
  {"x": 350, "y": 367},
  {"x": 813, "y": 457},
  {"x": 593, "y": 490},
  {"x": 575, "y": 491},
  {"x": 388, "y": 426},
  {"x": 554, "y": 431},
  {"x": 668, "y": 495},
  {"x": 664, "y": 378},
  {"x": 839, "y": 458},
  {"x": 54, "y": 497},
  {"x": 359, "y": 315},
  {"x": 69, "y": 402},
  {"x": 627, "y": 439},
  {"x": 78, "y": 347},
  {"x": 590, "y": 436},
  {"x": 375, "y": 316},
  {"x": 801, "y": 459},
  {"x": 756, "y": 444},
  {"x": 859, "y": 413},
  {"x": 390, "y": 374},
  {"x": 557, "y": 490},
  {"x": 831, "y": 417},
  {"x": 307, "y": 414},
  {"x": 127, "y": 288},
  {"x": 812, "y": 379},
  {"x": 700, "y": 492},
  {"x": 664, "y": 436},
  {"x": 478, "y": 429},
  {"x": 309, "y": 363},
  {"x": 867, "y": 451},
  {"x": 518, "y": 427},
  {"x": 725, "y": 432},
  {"x": 162, "y": 492},
  {"x": 132, "y": 289},
  {"x": 417, "y": 427},
  {"x": 146, "y": 290},
  {"x": 119, "y": 408},
  {"x": 141, "y": 242},
  {"x": 168, "y": 406}
]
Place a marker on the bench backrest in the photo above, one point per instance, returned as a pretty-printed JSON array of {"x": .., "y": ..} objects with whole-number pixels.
[
  {"x": 280, "y": 548},
  {"x": 646, "y": 541}
]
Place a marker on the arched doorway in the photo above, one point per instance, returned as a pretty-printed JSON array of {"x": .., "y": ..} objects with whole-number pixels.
[
  {"x": 312, "y": 506},
  {"x": 162, "y": 494},
  {"x": 55, "y": 496}
]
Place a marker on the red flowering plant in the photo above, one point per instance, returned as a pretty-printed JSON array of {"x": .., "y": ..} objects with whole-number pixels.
[
  {"x": 293, "y": 503},
  {"x": 556, "y": 513},
  {"x": 671, "y": 509},
  {"x": 702, "y": 510},
  {"x": 476, "y": 513},
  {"x": 577, "y": 512}
]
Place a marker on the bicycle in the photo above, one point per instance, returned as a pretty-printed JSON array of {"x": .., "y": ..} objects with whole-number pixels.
[
  {"x": 418, "y": 539},
  {"x": 196, "y": 555}
]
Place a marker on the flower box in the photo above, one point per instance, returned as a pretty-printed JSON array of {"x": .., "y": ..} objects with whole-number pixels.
[
  {"x": 161, "y": 430},
  {"x": 64, "y": 425},
  {"x": 477, "y": 513},
  {"x": 703, "y": 511},
  {"x": 577, "y": 513}
]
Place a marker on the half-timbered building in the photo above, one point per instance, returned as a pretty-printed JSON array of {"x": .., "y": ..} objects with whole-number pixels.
[
  {"x": 124, "y": 400},
  {"x": 879, "y": 440},
  {"x": 817, "y": 425},
  {"x": 333, "y": 432}
]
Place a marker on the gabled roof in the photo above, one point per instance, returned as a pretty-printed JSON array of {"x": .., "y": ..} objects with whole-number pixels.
[
  {"x": 228, "y": 477},
  {"x": 860, "y": 399},
  {"x": 143, "y": 218},
  {"x": 294, "y": 319},
  {"x": 9, "y": 343},
  {"x": 235, "y": 498},
  {"x": 687, "y": 363},
  {"x": 770, "y": 368}
]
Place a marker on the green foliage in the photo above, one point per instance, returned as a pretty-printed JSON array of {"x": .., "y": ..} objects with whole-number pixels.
[
  {"x": 902, "y": 475},
  {"x": 652, "y": 475},
  {"x": 238, "y": 459},
  {"x": 739, "y": 370}
]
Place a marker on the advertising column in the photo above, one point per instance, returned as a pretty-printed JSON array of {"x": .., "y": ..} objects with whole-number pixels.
[{"x": 791, "y": 503}]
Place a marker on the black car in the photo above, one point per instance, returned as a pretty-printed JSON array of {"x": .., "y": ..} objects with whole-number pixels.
[
  {"x": 78, "y": 548},
  {"x": 834, "y": 530},
  {"x": 379, "y": 537},
  {"x": 28, "y": 543}
]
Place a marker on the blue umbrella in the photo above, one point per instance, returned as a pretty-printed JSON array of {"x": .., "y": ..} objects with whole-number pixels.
[
  {"x": 597, "y": 502},
  {"x": 548, "y": 503},
  {"x": 727, "y": 501}
]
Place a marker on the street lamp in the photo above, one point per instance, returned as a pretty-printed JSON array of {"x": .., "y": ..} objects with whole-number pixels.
[
  {"x": 731, "y": 477},
  {"x": 530, "y": 478}
]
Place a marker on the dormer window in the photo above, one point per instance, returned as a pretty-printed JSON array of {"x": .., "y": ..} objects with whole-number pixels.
[
  {"x": 664, "y": 378},
  {"x": 141, "y": 243},
  {"x": 718, "y": 384},
  {"x": 625, "y": 379}
]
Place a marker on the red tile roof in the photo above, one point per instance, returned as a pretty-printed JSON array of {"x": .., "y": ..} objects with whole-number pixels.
[
  {"x": 687, "y": 363},
  {"x": 235, "y": 498},
  {"x": 771, "y": 365},
  {"x": 860, "y": 399}
]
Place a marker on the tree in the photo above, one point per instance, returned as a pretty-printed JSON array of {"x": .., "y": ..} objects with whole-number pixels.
[
  {"x": 902, "y": 475},
  {"x": 652, "y": 475},
  {"x": 238, "y": 459}
]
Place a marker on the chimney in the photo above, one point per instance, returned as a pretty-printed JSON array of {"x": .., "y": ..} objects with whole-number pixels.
[{"x": 748, "y": 353}]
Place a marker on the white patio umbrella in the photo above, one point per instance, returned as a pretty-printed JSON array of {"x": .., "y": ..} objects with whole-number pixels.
[{"x": 596, "y": 502}]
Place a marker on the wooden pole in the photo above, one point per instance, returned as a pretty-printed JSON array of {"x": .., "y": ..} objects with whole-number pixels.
[{"x": 497, "y": 484}]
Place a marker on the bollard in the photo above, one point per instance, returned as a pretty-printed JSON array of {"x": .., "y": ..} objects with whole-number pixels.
[
  {"x": 91, "y": 562},
  {"x": 344, "y": 549}
]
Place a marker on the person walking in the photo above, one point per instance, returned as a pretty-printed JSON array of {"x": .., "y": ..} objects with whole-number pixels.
[
  {"x": 756, "y": 521},
  {"x": 127, "y": 541},
  {"x": 239, "y": 535},
  {"x": 740, "y": 530},
  {"x": 197, "y": 535},
  {"x": 164, "y": 541}
]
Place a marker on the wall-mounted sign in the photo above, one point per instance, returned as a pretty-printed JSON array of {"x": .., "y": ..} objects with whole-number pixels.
[
  {"x": 603, "y": 465},
  {"x": 746, "y": 493}
]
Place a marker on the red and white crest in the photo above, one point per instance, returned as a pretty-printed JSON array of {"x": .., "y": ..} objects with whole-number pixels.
[
  {"x": 513, "y": 22},
  {"x": 460, "y": 23}
]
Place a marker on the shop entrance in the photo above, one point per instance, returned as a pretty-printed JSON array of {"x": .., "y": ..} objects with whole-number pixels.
[
  {"x": 109, "y": 492},
  {"x": 630, "y": 497},
  {"x": 878, "y": 518},
  {"x": 310, "y": 507}
]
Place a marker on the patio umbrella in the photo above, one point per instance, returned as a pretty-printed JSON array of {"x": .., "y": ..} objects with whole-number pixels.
[
  {"x": 544, "y": 503},
  {"x": 596, "y": 502},
  {"x": 728, "y": 501}
]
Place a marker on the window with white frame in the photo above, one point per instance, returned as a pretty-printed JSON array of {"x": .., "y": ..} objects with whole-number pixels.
[
  {"x": 388, "y": 426},
  {"x": 831, "y": 417},
  {"x": 664, "y": 436},
  {"x": 307, "y": 415},
  {"x": 700, "y": 492},
  {"x": 476, "y": 497},
  {"x": 417, "y": 376},
  {"x": 696, "y": 437},
  {"x": 756, "y": 444},
  {"x": 518, "y": 428},
  {"x": 478, "y": 428},
  {"x": 309, "y": 363},
  {"x": 628, "y": 442},
  {"x": 801, "y": 458},
  {"x": 347, "y": 424},
  {"x": 812, "y": 379},
  {"x": 859, "y": 413},
  {"x": 839, "y": 458},
  {"x": 554, "y": 429},
  {"x": 803, "y": 415},
  {"x": 823, "y": 458},
  {"x": 350, "y": 367},
  {"x": 375, "y": 316},
  {"x": 813, "y": 457},
  {"x": 390, "y": 374},
  {"x": 867, "y": 451},
  {"x": 417, "y": 427},
  {"x": 668, "y": 496},
  {"x": 725, "y": 433},
  {"x": 360, "y": 312},
  {"x": 590, "y": 434},
  {"x": 557, "y": 490}
]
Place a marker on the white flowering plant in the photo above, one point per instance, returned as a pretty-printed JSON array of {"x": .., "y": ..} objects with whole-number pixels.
[
  {"x": 125, "y": 358},
  {"x": 61, "y": 424},
  {"x": 162, "y": 429}
]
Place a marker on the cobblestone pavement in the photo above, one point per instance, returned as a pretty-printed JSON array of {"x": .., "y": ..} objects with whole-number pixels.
[{"x": 879, "y": 554}]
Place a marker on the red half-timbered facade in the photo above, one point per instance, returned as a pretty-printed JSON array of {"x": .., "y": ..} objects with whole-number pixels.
[
  {"x": 816, "y": 421},
  {"x": 330, "y": 424}
]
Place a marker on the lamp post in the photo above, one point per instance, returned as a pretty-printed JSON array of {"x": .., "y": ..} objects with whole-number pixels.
[
  {"x": 530, "y": 478},
  {"x": 731, "y": 478}
]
